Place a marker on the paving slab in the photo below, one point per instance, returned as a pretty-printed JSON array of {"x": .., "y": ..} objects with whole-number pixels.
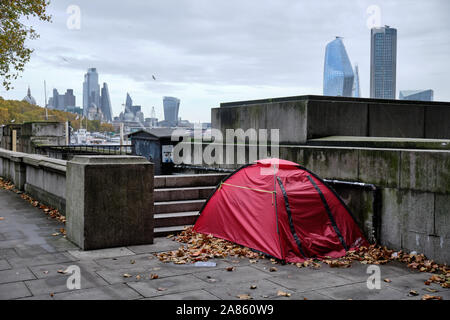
[
  {"x": 306, "y": 281},
  {"x": 7, "y": 252},
  {"x": 49, "y": 270},
  {"x": 58, "y": 283},
  {"x": 42, "y": 259},
  {"x": 240, "y": 274},
  {"x": 169, "y": 285},
  {"x": 13, "y": 290},
  {"x": 310, "y": 295},
  {"x": 360, "y": 291},
  {"x": 29, "y": 251},
  {"x": 264, "y": 290},
  {"x": 187, "y": 295},
  {"x": 4, "y": 265},
  {"x": 416, "y": 282},
  {"x": 14, "y": 275},
  {"x": 359, "y": 272},
  {"x": 127, "y": 262},
  {"x": 112, "y": 292},
  {"x": 100, "y": 254},
  {"x": 159, "y": 245}
]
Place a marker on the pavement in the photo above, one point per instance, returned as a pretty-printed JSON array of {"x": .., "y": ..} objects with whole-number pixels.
[{"x": 33, "y": 261}]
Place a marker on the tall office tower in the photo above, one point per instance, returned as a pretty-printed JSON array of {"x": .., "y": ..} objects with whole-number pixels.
[
  {"x": 418, "y": 95},
  {"x": 128, "y": 102},
  {"x": 171, "y": 108},
  {"x": 69, "y": 98},
  {"x": 91, "y": 90},
  {"x": 62, "y": 101},
  {"x": 383, "y": 63},
  {"x": 356, "y": 86},
  {"x": 338, "y": 73},
  {"x": 105, "y": 103}
]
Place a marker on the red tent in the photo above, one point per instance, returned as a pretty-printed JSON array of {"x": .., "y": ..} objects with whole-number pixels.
[{"x": 280, "y": 209}]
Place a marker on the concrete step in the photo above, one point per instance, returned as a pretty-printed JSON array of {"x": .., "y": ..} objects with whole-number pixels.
[
  {"x": 178, "y": 206},
  {"x": 188, "y": 180},
  {"x": 165, "y": 231},
  {"x": 175, "y": 219},
  {"x": 174, "y": 194}
]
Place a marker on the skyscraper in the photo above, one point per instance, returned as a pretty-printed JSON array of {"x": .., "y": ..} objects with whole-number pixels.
[
  {"x": 62, "y": 101},
  {"x": 171, "y": 107},
  {"x": 338, "y": 73},
  {"x": 356, "y": 86},
  {"x": 91, "y": 90},
  {"x": 105, "y": 103},
  {"x": 418, "y": 95},
  {"x": 383, "y": 63}
]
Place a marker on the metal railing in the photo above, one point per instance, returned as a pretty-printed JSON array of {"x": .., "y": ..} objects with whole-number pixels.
[{"x": 66, "y": 152}]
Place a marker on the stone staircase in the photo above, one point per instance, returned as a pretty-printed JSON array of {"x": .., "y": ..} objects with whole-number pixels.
[{"x": 178, "y": 199}]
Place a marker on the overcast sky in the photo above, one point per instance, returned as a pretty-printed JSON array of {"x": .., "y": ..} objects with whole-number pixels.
[{"x": 208, "y": 51}]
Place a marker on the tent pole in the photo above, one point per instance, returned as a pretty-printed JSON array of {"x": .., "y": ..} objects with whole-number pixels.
[{"x": 276, "y": 208}]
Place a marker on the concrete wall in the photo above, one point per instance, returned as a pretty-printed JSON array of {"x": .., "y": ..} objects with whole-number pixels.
[
  {"x": 41, "y": 177},
  {"x": 414, "y": 186},
  {"x": 307, "y": 117},
  {"x": 32, "y": 134},
  {"x": 290, "y": 117}
]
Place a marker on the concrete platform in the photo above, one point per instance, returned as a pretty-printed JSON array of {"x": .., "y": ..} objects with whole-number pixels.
[
  {"x": 381, "y": 142},
  {"x": 32, "y": 261}
]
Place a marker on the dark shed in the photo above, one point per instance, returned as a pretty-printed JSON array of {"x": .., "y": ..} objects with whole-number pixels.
[{"x": 156, "y": 146}]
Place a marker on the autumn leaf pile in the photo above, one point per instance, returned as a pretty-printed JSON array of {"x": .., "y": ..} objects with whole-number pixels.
[
  {"x": 51, "y": 212},
  {"x": 375, "y": 254},
  {"x": 201, "y": 247}
]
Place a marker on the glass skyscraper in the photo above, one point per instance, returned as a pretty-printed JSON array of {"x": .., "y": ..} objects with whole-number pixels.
[
  {"x": 171, "y": 108},
  {"x": 356, "y": 86},
  {"x": 418, "y": 95},
  {"x": 383, "y": 63},
  {"x": 105, "y": 103},
  {"x": 91, "y": 90},
  {"x": 338, "y": 72}
]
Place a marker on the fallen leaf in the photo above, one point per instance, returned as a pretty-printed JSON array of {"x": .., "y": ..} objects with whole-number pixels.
[
  {"x": 162, "y": 289},
  {"x": 154, "y": 276},
  {"x": 62, "y": 271},
  {"x": 273, "y": 269},
  {"x": 253, "y": 287},
  {"x": 431, "y": 290},
  {"x": 387, "y": 280},
  {"x": 283, "y": 294},
  {"x": 244, "y": 296},
  {"x": 430, "y": 297},
  {"x": 230, "y": 268},
  {"x": 413, "y": 293},
  {"x": 127, "y": 275},
  {"x": 132, "y": 261},
  {"x": 1, "y": 218}
]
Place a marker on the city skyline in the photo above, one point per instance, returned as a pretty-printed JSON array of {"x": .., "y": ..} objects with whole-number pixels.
[{"x": 204, "y": 58}]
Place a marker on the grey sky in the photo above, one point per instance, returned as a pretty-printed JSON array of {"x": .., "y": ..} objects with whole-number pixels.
[{"x": 208, "y": 51}]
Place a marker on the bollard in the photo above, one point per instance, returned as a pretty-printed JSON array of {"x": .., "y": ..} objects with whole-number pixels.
[{"x": 109, "y": 201}]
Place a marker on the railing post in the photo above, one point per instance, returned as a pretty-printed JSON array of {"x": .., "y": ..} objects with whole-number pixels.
[{"x": 109, "y": 201}]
